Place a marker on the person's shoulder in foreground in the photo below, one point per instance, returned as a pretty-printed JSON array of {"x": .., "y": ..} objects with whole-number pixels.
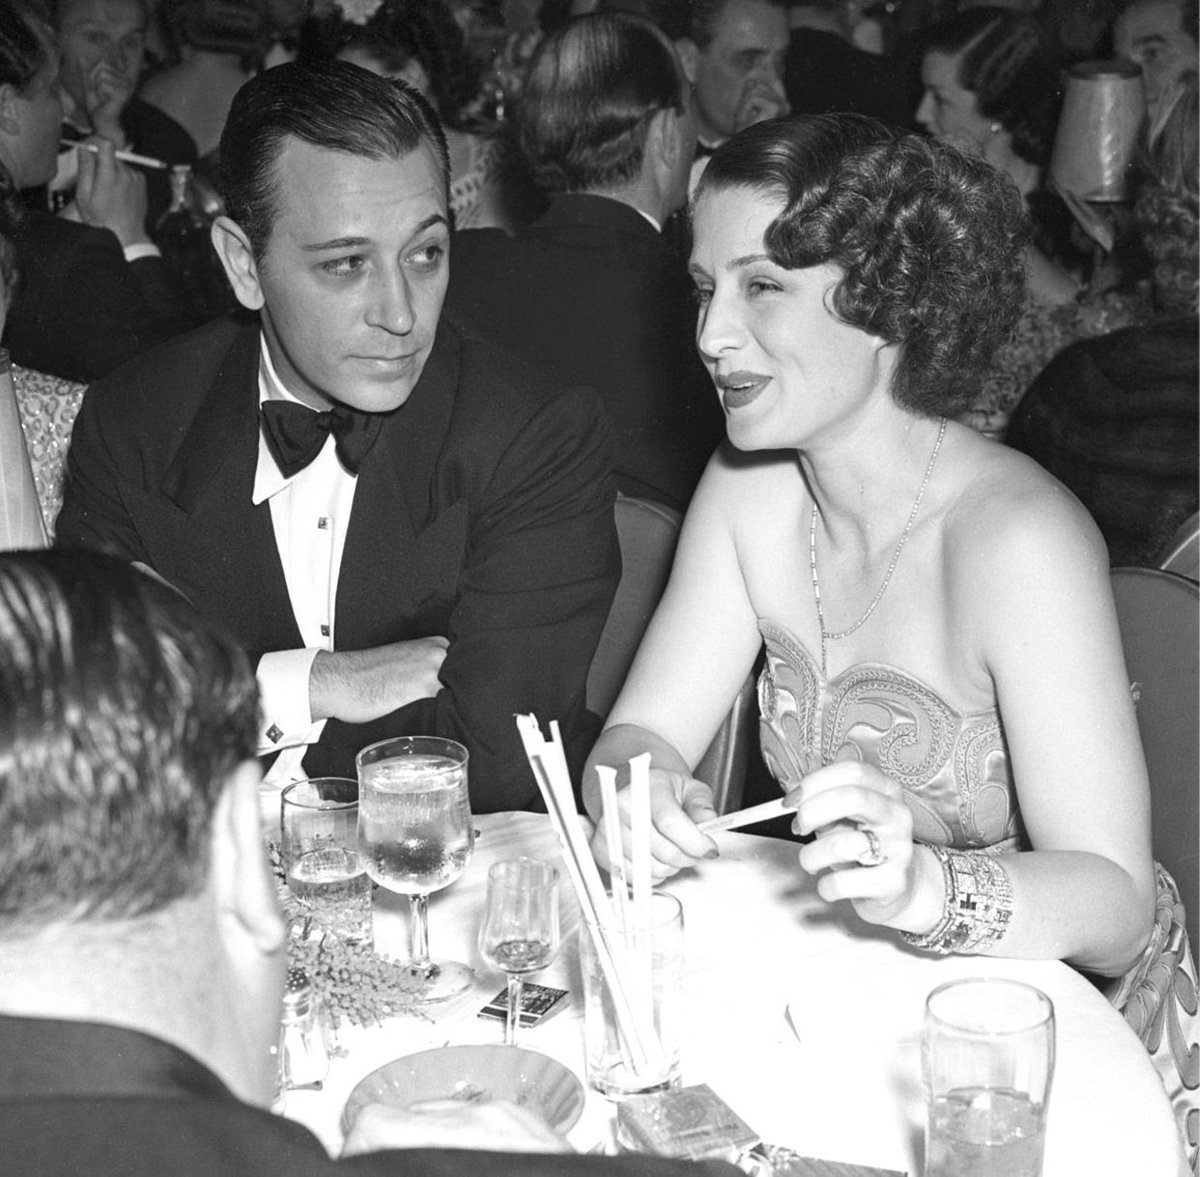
[{"x": 140, "y": 987}]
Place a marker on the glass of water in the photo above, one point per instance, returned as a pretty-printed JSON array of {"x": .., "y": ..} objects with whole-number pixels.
[
  {"x": 318, "y": 827},
  {"x": 987, "y": 1059},
  {"x": 415, "y": 836}
]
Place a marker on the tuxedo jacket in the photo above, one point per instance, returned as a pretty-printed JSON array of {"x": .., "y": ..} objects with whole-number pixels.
[
  {"x": 483, "y": 513},
  {"x": 593, "y": 292},
  {"x": 824, "y": 73},
  {"x": 83, "y": 1097},
  {"x": 81, "y": 309}
]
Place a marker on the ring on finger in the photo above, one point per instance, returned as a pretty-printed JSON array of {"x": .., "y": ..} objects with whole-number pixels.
[{"x": 873, "y": 855}]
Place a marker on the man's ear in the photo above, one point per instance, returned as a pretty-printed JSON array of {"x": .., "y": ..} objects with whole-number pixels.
[
  {"x": 237, "y": 256},
  {"x": 689, "y": 53},
  {"x": 10, "y": 123},
  {"x": 242, "y": 883},
  {"x": 663, "y": 147}
]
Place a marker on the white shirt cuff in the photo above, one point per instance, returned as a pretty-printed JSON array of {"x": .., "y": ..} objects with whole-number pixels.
[
  {"x": 140, "y": 250},
  {"x": 283, "y": 685}
]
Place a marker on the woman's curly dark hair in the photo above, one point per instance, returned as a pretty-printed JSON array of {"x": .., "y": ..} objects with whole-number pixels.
[
  {"x": 398, "y": 31},
  {"x": 929, "y": 240},
  {"x": 1012, "y": 65}
]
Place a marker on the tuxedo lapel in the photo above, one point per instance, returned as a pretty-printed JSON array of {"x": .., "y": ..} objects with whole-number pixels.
[
  {"x": 229, "y": 559},
  {"x": 407, "y": 535}
]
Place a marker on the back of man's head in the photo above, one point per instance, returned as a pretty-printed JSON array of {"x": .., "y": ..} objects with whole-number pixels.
[
  {"x": 326, "y": 103},
  {"x": 590, "y": 93},
  {"x": 122, "y": 715},
  {"x": 684, "y": 19}
]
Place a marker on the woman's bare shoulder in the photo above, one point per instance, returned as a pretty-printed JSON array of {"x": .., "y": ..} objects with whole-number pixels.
[{"x": 1009, "y": 514}]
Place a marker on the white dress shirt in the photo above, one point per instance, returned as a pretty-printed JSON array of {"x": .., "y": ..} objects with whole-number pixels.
[{"x": 310, "y": 513}]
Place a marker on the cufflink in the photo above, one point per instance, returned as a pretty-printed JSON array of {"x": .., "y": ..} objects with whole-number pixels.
[{"x": 274, "y": 733}]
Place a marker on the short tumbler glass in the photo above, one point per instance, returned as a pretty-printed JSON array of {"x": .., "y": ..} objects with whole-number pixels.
[{"x": 325, "y": 873}]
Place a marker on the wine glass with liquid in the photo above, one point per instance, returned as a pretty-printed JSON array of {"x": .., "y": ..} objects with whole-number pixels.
[
  {"x": 416, "y": 836},
  {"x": 519, "y": 933}
]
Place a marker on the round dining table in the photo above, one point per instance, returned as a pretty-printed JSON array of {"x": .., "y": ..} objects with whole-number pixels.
[{"x": 800, "y": 1016}]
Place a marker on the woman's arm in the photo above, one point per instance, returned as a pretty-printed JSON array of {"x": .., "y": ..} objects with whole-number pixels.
[
  {"x": 1051, "y": 644},
  {"x": 696, "y": 653}
]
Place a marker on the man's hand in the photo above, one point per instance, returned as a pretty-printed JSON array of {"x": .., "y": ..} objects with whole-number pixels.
[
  {"x": 107, "y": 93},
  {"x": 361, "y": 685},
  {"x": 109, "y": 195},
  {"x": 497, "y": 1126},
  {"x": 759, "y": 102}
]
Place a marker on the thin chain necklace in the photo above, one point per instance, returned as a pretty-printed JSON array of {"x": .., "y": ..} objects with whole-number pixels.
[{"x": 826, "y": 636}]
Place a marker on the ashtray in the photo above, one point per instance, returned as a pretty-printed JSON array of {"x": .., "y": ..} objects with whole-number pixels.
[{"x": 474, "y": 1074}]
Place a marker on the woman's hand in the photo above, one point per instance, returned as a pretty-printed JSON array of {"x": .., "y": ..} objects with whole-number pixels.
[
  {"x": 110, "y": 195},
  {"x": 677, "y": 803},
  {"x": 863, "y": 850}
]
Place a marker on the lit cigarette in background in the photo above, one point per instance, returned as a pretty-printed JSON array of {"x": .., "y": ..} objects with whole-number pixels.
[{"x": 142, "y": 161}]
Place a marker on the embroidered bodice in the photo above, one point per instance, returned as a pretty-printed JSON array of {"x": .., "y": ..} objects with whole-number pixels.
[{"x": 954, "y": 768}]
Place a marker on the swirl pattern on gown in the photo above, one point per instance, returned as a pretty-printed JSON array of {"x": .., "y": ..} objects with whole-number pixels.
[{"x": 953, "y": 768}]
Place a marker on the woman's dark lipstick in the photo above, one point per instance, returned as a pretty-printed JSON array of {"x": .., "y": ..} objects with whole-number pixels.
[{"x": 738, "y": 389}]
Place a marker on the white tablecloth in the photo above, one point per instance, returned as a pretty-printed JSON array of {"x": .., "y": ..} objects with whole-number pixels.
[{"x": 806, "y": 1020}]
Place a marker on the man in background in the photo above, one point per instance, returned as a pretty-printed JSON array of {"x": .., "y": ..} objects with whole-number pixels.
[
  {"x": 733, "y": 54},
  {"x": 591, "y": 290},
  {"x": 1163, "y": 37},
  {"x": 102, "y": 48},
  {"x": 141, "y": 948},
  {"x": 825, "y": 72}
]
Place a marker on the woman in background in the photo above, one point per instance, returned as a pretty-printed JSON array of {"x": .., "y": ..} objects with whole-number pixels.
[
  {"x": 220, "y": 45},
  {"x": 993, "y": 87},
  {"x": 1116, "y": 417},
  {"x": 93, "y": 293}
]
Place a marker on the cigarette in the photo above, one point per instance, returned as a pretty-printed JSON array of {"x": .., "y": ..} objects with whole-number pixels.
[{"x": 142, "y": 161}]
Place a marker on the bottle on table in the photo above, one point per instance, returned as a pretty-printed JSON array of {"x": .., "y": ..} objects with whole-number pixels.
[{"x": 182, "y": 234}]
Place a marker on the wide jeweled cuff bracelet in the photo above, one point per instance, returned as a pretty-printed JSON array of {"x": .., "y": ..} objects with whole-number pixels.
[{"x": 978, "y": 903}]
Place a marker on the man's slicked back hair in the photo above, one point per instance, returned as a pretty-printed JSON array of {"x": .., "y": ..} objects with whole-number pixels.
[
  {"x": 329, "y": 104},
  {"x": 591, "y": 90}
]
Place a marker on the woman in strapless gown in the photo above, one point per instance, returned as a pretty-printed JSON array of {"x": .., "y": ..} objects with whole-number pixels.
[{"x": 944, "y": 697}]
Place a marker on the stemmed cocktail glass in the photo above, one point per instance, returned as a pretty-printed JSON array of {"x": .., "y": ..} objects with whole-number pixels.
[
  {"x": 519, "y": 933},
  {"x": 416, "y": 836}
]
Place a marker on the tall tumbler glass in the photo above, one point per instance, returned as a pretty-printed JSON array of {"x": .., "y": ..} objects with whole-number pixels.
[{"x": 987, "y": 1058}]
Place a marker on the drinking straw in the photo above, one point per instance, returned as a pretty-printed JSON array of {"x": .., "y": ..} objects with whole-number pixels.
[
  {"x": 612, "y": 837},
  {"x": 548, "y": 763},
  {"x": 643, "y": 891}
]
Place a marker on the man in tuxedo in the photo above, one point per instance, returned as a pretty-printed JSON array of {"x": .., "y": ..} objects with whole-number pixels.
[
  {"x": 419, "y": 537},
  {"x": 733, "y": 53},
  {"x": 591, "y": 290},
  {"x": 141, "y": 946}
]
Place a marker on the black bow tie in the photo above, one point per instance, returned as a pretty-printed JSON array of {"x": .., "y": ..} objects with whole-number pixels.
[
  {"x": 704, "y": 150},
  {"x": 296, "y": 434}
]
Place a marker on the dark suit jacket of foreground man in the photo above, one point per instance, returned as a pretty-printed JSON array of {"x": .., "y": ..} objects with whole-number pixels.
[
  {"x": 483, "y": 513},
  {"x": 80, "y": 1097},
  {"x": 593, "y": 292}
]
